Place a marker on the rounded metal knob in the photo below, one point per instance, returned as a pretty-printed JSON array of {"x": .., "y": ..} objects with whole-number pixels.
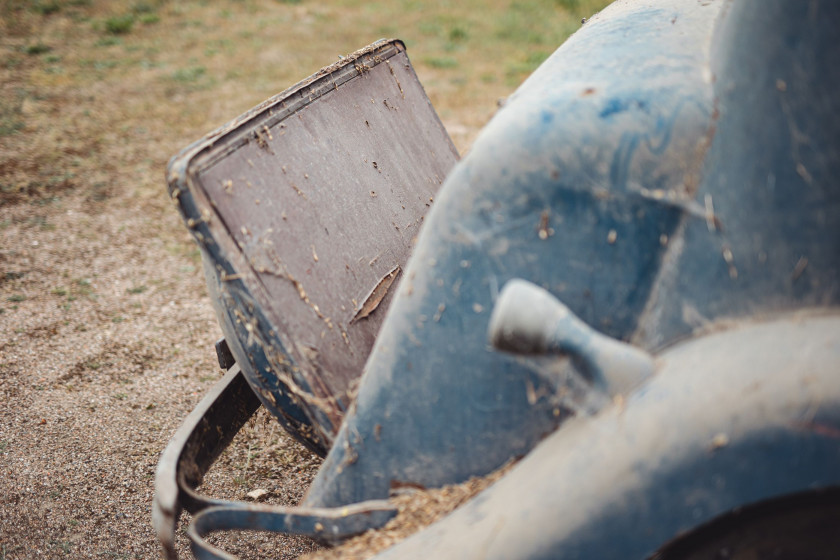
[{"x": 529, "y": 320}]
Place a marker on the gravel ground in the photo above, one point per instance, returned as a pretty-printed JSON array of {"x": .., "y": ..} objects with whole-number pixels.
[{"x": 107, "y": 346}]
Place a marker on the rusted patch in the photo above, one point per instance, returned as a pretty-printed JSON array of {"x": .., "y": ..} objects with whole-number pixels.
[
  {"x": 544, "y": 231},
  {"x": 262, "y": 136},
  {"x": 820, "y": 429},
  {"x": 399, "y": 85},
  {"x": 402, "y": 484}
]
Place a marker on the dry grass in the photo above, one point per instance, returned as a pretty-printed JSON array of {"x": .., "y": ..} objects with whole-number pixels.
[{"x": 107, "y": 332}]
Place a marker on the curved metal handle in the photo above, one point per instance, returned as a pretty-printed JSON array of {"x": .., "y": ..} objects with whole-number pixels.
[
  {"x": 330, "y": 525},
  {"x": 202, "y": 437},
  {"x": 529, "y": 320}
]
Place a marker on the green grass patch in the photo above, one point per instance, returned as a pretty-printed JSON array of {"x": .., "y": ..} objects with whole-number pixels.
[
  {"x": 458, "y": 34},
  {"x": 430, "y": 28},
  {"x": 37, "y": 48},
  {"x": 143, "y": 8},
  {"x": 82, "y": 287},
  {"x": 119, "y": 25},
  {"x": 9, "y": 125},
  {"x": 107, "y": 42},
  {"x": 46, "y": 8},
  {"x": 441, "y": 62},
  {"x": 189, "y": 75},
  {"x": 569, "y": 5}
]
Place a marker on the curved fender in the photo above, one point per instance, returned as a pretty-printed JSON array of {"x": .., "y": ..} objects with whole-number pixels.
[
  {"x": 571, "y": 186},
  {"x": 730, "y": 419}
]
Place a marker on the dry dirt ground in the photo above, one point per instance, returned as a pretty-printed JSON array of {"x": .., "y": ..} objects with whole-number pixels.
[{"x": 106, "y": 332}]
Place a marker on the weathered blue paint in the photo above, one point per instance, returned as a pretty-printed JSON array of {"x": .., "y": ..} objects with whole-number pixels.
[
  {"x": 770, "y": 176},
  {"x": 730, "y": 419},
  {"x": 294, "y": 418},
  {"x": 749, "y": 413},
  {"x": 578, "y": 204}
]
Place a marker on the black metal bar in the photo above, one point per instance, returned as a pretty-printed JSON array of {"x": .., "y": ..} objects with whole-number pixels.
[
  {"x": 202, "y": 437},
  {"x": 223, "y": 353}
]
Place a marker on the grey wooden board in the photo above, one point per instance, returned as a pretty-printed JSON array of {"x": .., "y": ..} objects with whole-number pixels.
[{"x": 322, "y": 193}]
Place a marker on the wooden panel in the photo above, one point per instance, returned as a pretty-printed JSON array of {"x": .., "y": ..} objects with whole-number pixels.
[{"x": 322, "y": 192}]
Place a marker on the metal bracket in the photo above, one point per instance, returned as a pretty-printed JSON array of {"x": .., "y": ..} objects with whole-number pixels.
[
  {"x": 223, "y": 353},
  {"x": 205, "y": 433},
  {"x": 202, "y": 437}
]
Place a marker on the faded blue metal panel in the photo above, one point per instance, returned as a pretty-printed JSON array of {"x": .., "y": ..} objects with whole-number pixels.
[
  {"x": 770, "y": 177},
  {"x": 731, "y": 419},
  {"x": 572, "y": 186},
  {"x": 751, "y": 412}
]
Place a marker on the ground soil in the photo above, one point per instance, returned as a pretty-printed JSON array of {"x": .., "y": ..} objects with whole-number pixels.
[{"x": 106, "y": 331}]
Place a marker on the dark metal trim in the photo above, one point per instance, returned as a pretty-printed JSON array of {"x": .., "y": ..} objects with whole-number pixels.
[
  {"x": 202, "y": 437},
  {"x": 223, "y": 353},
  {"x": 205, "y": 433}
]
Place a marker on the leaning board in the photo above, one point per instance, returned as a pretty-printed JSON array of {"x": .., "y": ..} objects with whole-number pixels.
[{"x": 305, "y": 209}]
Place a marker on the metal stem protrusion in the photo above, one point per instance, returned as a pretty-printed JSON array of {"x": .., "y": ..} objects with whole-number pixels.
[{"x": 529, "y": 320}]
